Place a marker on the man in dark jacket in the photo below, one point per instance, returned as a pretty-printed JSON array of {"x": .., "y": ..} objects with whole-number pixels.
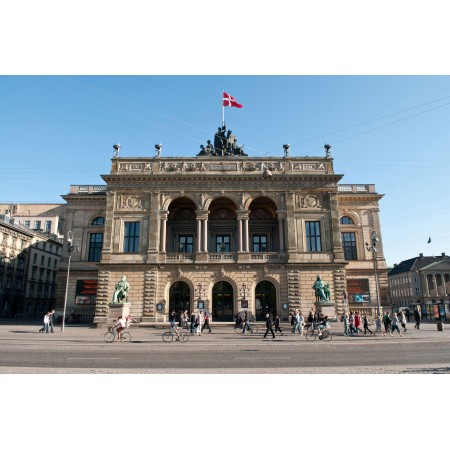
[
  {"x": 269, "y": 326},
  {"x": 417, "y": 317}
]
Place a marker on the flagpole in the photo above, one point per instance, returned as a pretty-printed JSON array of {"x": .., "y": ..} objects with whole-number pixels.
[{"x": 223, "y": 110}]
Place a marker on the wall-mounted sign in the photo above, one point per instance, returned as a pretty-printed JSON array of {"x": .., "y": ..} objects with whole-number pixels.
[
  {"x": 358, "y": 290},
  {"x": 244, "y": 304},
  {"x": 86, "y": 292}
]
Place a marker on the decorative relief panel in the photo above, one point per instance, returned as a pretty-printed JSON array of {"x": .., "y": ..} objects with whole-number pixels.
[
  {"x": 129, "y": 202},
  {"x": 307, "y": 167},
  {"x": 309, "y": 201}
]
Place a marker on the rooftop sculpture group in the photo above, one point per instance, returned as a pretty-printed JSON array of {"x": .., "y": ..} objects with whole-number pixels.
[{"x": 225, "y": 144}]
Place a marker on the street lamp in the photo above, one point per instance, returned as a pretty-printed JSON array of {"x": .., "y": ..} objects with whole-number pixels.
[
  {"x": 373, "y": 248},
  {"x": 70, "y": 248}
]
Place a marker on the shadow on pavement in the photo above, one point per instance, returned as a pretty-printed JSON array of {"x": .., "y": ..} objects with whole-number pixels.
[{"x": 436, "y": 370}]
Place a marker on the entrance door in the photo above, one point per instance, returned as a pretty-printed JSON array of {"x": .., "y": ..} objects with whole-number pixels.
[
  {"x": 179, "y": 298},
  {"x": 222, "y": 302},
  {"x": 266, "y": 299}
]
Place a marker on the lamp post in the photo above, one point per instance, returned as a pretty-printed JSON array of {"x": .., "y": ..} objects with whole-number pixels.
[
  {"x": 373, "y": 248},
  {"x": 70, "y": 248}
]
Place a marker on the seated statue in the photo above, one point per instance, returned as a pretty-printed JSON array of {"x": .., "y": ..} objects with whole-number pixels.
[
  {"x": 319, "y": 289},
  {"x": 121, "y": 290}
]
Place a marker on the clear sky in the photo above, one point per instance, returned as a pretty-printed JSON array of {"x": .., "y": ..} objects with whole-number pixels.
[{"x": 391, "y": 131}]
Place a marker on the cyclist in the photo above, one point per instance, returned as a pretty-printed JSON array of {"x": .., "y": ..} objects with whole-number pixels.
[
  {"x": 119, "y": 326},
  {"x": 245, "y": 324}
]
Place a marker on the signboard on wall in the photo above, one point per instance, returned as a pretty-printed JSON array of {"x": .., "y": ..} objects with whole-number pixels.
[
  {"x": 358, "y": 290},
  {"x": 86, "y": 292}
]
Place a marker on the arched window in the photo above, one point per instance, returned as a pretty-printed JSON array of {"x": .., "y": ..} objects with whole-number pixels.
[
  {"x": 98, "y": 221},
  {"x": 345, "y": 220}
]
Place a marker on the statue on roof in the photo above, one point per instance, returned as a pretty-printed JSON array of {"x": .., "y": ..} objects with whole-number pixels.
[{"x": 225, "y": 144}]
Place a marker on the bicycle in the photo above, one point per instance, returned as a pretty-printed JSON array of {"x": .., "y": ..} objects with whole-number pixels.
[
  {"x": 111, "y": 334},
  {"x": 251, "y": 327},
  {"x": 177, "y": 332},
  {"x": 315, "y": 331}
]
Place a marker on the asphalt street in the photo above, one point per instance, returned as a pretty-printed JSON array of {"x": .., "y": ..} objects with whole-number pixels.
[{"x": 81, "y": 349}]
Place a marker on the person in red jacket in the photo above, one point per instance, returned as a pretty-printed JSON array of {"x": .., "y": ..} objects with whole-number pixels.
[{"x": 357, "y": 323}]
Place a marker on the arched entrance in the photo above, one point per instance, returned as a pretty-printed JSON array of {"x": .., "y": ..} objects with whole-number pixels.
[
  {"x": 222, "y": 302},
  {"x": 179, "y": 297},
  {"x": 266, "y": 299}
]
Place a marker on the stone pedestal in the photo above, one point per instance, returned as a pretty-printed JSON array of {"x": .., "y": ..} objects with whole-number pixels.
[
  {"x": 116, "y": 310},
  {"x": 327, "y": 309}
]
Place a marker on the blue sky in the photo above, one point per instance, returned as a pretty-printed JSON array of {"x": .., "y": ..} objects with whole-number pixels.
[{"x": 391, "y": 131}]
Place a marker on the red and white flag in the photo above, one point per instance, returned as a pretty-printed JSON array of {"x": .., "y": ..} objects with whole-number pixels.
[{"x": 228, "y": 100}]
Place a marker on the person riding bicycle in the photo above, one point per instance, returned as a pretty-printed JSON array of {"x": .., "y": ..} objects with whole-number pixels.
[
  {"x": 245, "y": 324},
  {"x": 323, "y": 323},
  {"x": 119, "y": 327}
]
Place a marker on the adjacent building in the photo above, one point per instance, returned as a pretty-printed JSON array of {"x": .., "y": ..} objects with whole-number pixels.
[
  {"x": 424, "y": 281},
  {"x": 29, "y": 262}
]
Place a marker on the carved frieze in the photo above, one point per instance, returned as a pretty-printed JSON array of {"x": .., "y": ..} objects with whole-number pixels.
[
  {"x": 309, "y": 201},
  {"x": 308, "y": 167}
]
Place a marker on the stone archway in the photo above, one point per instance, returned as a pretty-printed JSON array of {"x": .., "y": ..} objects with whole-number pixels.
[
  {"x": 222, "y": 302},
  {"x": 179, "y": 298},
  {"x": 265, "y": 299}
]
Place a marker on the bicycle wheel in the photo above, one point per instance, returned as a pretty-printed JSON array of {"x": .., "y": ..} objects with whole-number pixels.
[
  {"x": 311, "y": 335},
  {"x": 126, "y": 336},
  {"x": 184, "y": 337},
  {"x": 238, "y": 329},
  {"x": 326, "y": 335},
  {"x": 109, "y": 337},
  {"x": 254, "y": 329},
  {"x": 167, "y": 336}
]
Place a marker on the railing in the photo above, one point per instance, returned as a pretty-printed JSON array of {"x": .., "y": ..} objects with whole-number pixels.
[
  {"x": 222, "y": 257},
  {"x": 364, "y": 188},
  {"x": 265, "y": 256},
  {"x": 180, "y": 257}
]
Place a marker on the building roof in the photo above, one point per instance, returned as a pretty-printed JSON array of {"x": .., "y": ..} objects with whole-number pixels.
[{"x": 417, "y": 263}]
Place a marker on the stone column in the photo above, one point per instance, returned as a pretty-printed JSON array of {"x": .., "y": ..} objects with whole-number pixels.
[
  {"x": 239, "y": 235},
  {"x": 163, "y": 225},
  {"x": 281, "y": 231},
  {"x": 199, "y": 235},
  {"x": 436, "y": 293},
  {"x": 205, "y": 235},
  {"x": 336, "y": 241},
  {"x": 246, "y": 236}
]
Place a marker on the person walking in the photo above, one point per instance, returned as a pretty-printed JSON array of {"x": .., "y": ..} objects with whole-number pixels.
[
  {"x": 293, "y": 320},
  {"x": 297, "y": 321},
  {"x": 44, "y": 329},
  {"x": 172, "y": 318},
  {"x": 245, "y": 325},
  {"x": 198, "y": 323},
  {"x": 402, "y": 318},
  {"x": 277, "y": 324},
  {"x": 357, "y": 323},
  {"x": 417, "y": 317},
  {"x": 311, "y": 316},
  {"x": 238, "y": 320},
  {"x": 269, "y": 327},
  {"x": 206, "y": 322},
  {"x": 387, "y": 323},
  {"x": 366, "y": 325},
  {"x": 351, "y": 321},
  {"x": 192, "y": 322},
  {"x": 394, "y": 324},
  {"x": 378, "y": 326},
  {"x": 300, "y": 322},
  {"x": 344, "y": 320},
  {"x": 51, "y": 313}
]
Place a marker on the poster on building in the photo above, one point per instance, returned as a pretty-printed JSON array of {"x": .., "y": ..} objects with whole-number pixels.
[
  {"x": 86, "y": 292},
  {"x": 358, "y": 290}
]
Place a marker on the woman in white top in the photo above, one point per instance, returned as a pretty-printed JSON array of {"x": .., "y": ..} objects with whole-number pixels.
[{"x": 198, "y": 322}]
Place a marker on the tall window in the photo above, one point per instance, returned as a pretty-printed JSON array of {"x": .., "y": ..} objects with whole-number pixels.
[
  {"x": 185, "y": 243},
  {"x": 259, "y": 243},
  {"x": 37, "y": 224},
  {"x": 27, "y": 223},
  {"x": 223, "y": 244},
  {"x": 95, "y": 246},
  {"x": 349, "y": 245},
  {"x": 48, "y": 225},
  {"x": 131, "y": 238},
  {"x": 313, "y": 243}
]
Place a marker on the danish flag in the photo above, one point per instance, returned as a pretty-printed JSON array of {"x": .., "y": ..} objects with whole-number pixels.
[{"x": 228, "y": 100}]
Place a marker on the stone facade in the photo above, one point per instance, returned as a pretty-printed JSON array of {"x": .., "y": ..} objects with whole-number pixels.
[{"x": 224, "y": 234}]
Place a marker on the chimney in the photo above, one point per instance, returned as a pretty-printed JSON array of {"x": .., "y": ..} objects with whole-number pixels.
[
  {"x": 443, "y": 254},
  {"x": 420, "y": 255},
  {"x": 395, "y": 265}
]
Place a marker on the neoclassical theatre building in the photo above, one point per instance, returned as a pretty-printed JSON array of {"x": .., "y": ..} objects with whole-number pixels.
[{"x": 221, "y": 232}]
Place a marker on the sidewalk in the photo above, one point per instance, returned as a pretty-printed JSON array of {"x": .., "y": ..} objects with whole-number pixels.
[{"x": 29, "y": 331}]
